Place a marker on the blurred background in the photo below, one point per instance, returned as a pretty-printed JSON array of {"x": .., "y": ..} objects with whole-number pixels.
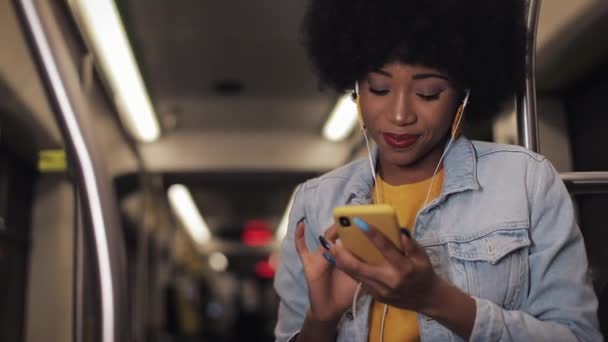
[{"x": 199, "y": 118}]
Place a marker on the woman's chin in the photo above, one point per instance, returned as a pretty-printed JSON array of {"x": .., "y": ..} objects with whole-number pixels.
[{"x": 402, "y": 159}]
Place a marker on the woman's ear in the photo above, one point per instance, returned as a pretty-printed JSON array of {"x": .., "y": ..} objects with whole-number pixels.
[
  {"x": 457, "y": 124},
  {"x": 357, "y": 100},
  {"x": 459, "y": 117},
  {"x": 359, "y": 113}
]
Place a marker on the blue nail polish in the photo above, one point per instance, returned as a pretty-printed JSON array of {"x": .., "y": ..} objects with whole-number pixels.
[
  {"x": 406, "y": 232},
  {"x": 323, "y": 242},
  {"x": 361, "y": 224},
  {"x": 329, "y": 258}
]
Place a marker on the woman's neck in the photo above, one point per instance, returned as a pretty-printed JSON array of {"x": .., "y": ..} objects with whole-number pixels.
[{"x": 418, "y": 171}]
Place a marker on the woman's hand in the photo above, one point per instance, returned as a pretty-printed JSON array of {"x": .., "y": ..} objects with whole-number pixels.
[
  {"x": 405, "y": 279},
  {"x": 330, "y": 290}
]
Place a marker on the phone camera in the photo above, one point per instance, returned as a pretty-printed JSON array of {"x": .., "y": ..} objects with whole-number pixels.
[{"x": 344, "y": 221}]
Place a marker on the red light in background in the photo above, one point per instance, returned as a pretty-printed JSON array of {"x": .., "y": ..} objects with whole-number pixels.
[
  {"x": 256, "y": 233},
  {"x": 264, "y": 269}
]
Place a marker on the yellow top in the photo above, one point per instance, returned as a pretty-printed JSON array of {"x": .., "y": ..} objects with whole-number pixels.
[{"x": 407, "y": 199}]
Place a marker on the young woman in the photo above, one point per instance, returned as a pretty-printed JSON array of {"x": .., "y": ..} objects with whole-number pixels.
[{"x": 491, "y": 248}]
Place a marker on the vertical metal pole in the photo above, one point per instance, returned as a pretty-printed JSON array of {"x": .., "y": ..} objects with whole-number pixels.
[
  {"x": 79, "y": 261},
  {"x": 527, "y": 120},
  {"x": 100, "y": 217}
]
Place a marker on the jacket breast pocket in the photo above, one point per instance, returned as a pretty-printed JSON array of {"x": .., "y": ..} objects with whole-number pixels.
[{"x": 493, "y": 266}]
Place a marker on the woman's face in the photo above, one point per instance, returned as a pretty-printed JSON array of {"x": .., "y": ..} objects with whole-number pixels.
[{"x": 408, "y": 110}]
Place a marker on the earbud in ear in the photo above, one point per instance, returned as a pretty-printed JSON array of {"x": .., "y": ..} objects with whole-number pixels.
[
  {"x": 457, "y": 119},
  {"x": 457, "y": 124},
  {"x": 358, "y": 102},
  {"x": 359, "y": 115}
]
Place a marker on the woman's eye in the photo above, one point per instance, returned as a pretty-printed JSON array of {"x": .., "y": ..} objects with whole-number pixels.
[
  {"x": 429, "y": 97},
  {"x": 379, "y": 92}
]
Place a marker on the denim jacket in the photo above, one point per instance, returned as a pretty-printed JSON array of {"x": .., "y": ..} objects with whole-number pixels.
[{"x": 502, "y": 230}]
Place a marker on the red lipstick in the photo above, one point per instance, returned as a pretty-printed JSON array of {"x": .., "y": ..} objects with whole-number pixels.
[{"x": 400, "y": 141}]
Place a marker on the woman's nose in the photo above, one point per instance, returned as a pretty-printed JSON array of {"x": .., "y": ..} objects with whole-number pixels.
[{"x": 402, "y": 112}]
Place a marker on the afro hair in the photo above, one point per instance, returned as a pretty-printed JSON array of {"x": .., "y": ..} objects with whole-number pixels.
[{"x": 479, "y": 44}]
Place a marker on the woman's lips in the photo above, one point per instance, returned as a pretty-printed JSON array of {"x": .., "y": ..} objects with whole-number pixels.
[{"x": 400, "y": 140}]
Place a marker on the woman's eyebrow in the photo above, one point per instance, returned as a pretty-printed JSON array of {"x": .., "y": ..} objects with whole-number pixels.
[
  {"x": 382, "y": 72},
  {"x": 430, "y": 75}
]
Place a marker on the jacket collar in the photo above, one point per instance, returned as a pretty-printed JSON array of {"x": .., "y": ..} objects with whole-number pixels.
[{"x": 460, "y": 167}]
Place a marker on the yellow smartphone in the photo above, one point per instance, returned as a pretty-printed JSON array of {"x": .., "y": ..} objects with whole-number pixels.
[{"x": 381, "y": 216}]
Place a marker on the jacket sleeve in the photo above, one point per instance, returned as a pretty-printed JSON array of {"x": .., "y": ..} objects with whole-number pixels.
[
  {"x": 290, "y": 282},
  {"x": 560, "y": 304}
]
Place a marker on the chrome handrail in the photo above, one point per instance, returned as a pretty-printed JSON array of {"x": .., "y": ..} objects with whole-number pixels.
[
  {"x": 99, "y": 212},
  {"x": 527, "y": 120},
  {"x": 579, "y": 183}
]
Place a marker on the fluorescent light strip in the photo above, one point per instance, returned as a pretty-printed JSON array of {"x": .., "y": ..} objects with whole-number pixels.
[
  {"x": 283, "y": 225},
  {"x": 184, "y": 207},
  {"x": 342, "y": 120},
  {"x": 104, "y": 27}
]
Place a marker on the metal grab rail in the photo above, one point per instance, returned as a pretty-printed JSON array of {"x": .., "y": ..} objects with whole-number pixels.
[
  {"x": 579, "y": 183},
  {"x": 98, "y": 203},
  {"x": 527, "y": 119}
]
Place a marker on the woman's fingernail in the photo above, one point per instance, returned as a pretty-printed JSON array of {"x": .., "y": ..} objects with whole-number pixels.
[
  {"x": 406, "y": 232},
  {"x": 323, "y": 242},
  {"x": 329, "y": 258},
  {"x": 361, "y": 224}
]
